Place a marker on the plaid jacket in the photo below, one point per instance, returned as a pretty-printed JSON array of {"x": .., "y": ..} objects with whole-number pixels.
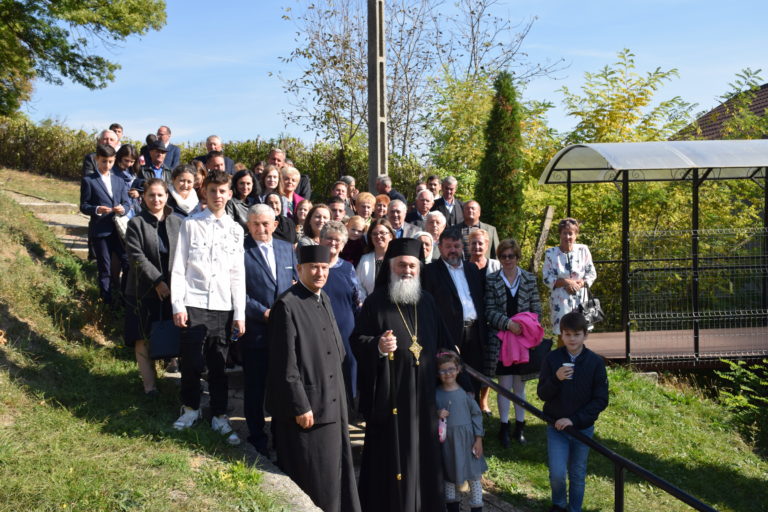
[{"x": 496, "y": 310}]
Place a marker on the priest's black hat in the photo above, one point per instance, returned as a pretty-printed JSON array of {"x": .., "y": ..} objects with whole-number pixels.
[
  {"x": 314, "y": 254},
  {"x": 405, "y": 247}
]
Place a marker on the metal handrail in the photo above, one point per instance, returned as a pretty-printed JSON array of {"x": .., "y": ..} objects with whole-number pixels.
[{"x": 620, "y": 464}]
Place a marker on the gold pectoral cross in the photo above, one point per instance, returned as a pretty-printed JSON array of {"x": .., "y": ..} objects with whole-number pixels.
[{"x": 415, "y": 348}]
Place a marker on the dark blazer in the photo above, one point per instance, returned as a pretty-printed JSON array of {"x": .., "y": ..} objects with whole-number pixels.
[
  {"x": 496, "y": 310},
  {"x": 394, "y": 194},
  {"x": 304, "y": 188},
  {"x": 452, "y": 218},
  {"x": 261, "y": 290},
  {"x": 145, "y": 270},
  {"x": 305, "y": 355},
  {"x": 173, "y": 157},
  {"x": 89, "y": 164},
  {"x": 229, "y": 164},
  {"x": 438, "y": 282},
  {"x": 413, "y": 217},
  {"x": 93, "y": 194}
]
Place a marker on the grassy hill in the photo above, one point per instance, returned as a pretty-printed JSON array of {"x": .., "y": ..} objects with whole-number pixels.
[{"x": 76, "y": 432}]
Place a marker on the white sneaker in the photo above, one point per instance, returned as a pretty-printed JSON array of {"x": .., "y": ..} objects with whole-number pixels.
[
  {"x": 188, "y": 418},
  {"x": 221, "y": 425}
]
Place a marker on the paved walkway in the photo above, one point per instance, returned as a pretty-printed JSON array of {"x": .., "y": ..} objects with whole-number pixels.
[{"x": 71, "y": 227}]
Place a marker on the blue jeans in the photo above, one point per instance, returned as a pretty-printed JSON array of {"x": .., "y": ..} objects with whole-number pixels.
[{"x": 567, "y": 456}]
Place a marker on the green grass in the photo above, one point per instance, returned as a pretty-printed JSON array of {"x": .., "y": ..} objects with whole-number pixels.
[
  {"x": 75, "y": 430},
  {"x": 52, "y": 189},
  {"x": 673, "y": 431}
]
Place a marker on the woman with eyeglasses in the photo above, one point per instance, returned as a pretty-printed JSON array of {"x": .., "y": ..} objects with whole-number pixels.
[
  {"x": 568, "y": 271},
  {"x": 508, "y": 291},
  {"x": 380, "y": 233}
]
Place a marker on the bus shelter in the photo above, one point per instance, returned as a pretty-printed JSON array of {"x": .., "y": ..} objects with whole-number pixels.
[{"x": 686, "y": 296}]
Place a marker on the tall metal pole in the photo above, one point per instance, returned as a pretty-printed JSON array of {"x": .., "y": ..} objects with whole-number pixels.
[{"x": 377, "y": 94}]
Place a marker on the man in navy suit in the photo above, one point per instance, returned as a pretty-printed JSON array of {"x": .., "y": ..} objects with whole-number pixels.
[
  {"x": 102, "y": 196},
  {"x": 173, "y": 158},
  {"x": 270, "y": 269}
]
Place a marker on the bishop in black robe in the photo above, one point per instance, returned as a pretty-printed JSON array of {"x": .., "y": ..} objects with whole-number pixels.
[
  {"x": 305, "y": 374},
  {"x": 405, "y": 383}
]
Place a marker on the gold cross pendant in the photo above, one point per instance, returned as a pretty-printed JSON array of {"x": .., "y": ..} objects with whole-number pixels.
[{"x": 415, "y": 348}]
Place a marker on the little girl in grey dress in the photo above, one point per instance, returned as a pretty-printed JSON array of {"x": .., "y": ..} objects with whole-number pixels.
[{"x": 462, "y": 446}]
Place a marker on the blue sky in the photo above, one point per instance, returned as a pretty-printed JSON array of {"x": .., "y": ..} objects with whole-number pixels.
[{"x": 212, "y": 68}]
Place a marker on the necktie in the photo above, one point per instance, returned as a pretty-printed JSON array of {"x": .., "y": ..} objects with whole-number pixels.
[{"x": 266, "y": 252}]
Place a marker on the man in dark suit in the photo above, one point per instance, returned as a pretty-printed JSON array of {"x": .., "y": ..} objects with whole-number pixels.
[
  {"x": 396, "y": 217},
  {"x": 447, "y": 204},
  {"x": 270, "y": 269},
  {"x": 458, "y": 287},
  {"x": 102, "y": 196},
  {"x": 213, "y": 143},
  {"x": 305, "y": 388},
  {"x": 384, "y": 186},
  {"x": 107, "y": 137},
  {"x": 174, "y": 152},
  {"x": 472, "y": 222},
  {"x": 424, "y": 202}
]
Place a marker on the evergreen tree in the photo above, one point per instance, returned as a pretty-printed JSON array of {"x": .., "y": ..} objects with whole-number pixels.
[{"x": 500, "y": 179}]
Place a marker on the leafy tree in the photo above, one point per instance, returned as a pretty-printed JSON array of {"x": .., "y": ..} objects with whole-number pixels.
[
  {"x": 616, "y": 105},
  {"x": 55, "y": 40},
  {"x": 501, "y": 176},
  {"x": 458, "y": 128}
]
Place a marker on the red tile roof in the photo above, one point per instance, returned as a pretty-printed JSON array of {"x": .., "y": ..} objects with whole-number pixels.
[{"x": 710, "y": 125}]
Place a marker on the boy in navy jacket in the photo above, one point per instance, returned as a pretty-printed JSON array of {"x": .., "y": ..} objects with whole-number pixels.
[{"x": 574, "y": 387}]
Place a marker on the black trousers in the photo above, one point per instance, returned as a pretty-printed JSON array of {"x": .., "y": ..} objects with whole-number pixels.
[
  {"x": 254, "y": 387},
  {"x": 204, "y": 342}
]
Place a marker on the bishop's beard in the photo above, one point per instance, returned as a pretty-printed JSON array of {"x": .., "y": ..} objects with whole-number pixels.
[{"x": 404, "y": 291}]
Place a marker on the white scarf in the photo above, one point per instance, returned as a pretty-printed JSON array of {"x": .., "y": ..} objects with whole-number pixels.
[{"x": 188, "y": 204}]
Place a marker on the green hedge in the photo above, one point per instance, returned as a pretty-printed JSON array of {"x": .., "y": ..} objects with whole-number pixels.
[
  {"x": 54, "y": 149},
  {"x": 48, "y": 147}
]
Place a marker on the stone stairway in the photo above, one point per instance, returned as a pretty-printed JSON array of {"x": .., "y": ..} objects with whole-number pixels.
[{"x": 64, "y": 219}]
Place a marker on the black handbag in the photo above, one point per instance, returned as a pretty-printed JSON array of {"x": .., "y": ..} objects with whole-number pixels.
[
  {"x": 536, "y": 356},
  {"x": 591, "y": 309},
  {"x": 164, "y": 340}
]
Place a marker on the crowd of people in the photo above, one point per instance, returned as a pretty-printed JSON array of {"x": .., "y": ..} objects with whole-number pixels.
[{"x": 355, "y": 306}]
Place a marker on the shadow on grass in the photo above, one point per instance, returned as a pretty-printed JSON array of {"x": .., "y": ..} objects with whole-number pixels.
[
  {"x": 715, "y": 484},
  {"x": 101, "y": 385}
]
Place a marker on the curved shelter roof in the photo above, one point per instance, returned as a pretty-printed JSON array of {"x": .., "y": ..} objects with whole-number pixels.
[{"x": 658, "y": 161}]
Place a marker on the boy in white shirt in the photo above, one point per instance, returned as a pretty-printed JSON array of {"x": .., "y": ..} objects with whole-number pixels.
[{"x": 208, "y": 297}]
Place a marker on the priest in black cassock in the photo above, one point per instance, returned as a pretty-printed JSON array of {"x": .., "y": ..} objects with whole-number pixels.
[
  {"x": 305, "y": 389},
  {"x": 396, "y": 339}
]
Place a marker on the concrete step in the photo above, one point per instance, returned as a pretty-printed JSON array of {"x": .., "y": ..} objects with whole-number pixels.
[
  {"x": 38, "y": 205},
  {"x": 78, "y": 245},
  {"x": 65, "y": 223}
]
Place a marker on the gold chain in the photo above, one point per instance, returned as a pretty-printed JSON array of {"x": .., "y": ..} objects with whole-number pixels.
[{"x": 415, "y": 348}]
